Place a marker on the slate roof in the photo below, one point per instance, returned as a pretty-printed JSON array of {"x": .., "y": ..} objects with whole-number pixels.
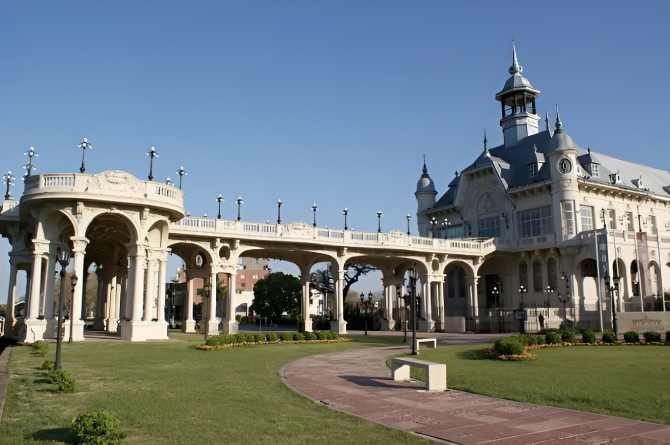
[{"x": 512, "y": 166}]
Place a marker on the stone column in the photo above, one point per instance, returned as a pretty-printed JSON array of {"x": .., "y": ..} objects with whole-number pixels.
[
  {"x": 11, "y": 294},
  {"x": 475, "y": 297},
  {"x": 150, "y": 293},
  {"x": 304, "y": 309},
  {"x": 212, "y": 324},
  {"x": 119, "y": 283},
  {"x": 49, "y": 310},
  {"x": 339, "y": 325},
  {"x": 230, "y": 325},
  {"x": 189, "y": 323},
  {"x": 100, "y": 302},
  {"x": 33, "y": 308},
  {"x": 388, "y": 323},
  {"x": 162, "y": 272},
  {"x": 75, "y": 321},
  {"x": 439, "y": 297},
  {"x": 426, "y": 322},
  {"x": 138, "y": 286}
]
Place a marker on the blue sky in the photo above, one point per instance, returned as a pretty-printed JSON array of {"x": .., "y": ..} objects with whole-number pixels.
[{"x": 332, "y": 102}]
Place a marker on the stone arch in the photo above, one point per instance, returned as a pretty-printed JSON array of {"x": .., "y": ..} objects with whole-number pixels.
[
  {"x": 458, "y": 288},
  {"x": 635, "y": 278},
  {"x": 588, "y": 283},
  {"x": 157, "y": 235},
  {"x": 133, "y": 227}
]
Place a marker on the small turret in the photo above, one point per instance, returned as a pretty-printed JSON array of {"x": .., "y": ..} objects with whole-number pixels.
[{"x": 425, "y": 199}]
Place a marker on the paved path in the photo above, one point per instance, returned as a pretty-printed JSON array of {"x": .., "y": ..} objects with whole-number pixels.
[{"x": 358, "y": 382}]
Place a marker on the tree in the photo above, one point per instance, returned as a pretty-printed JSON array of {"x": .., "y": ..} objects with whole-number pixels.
[
  {"x": 324, "y": 280},
  {"x": 276, "y": 294}
]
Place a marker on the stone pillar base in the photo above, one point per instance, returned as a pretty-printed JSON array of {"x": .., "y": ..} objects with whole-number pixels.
[
  {"x": 230, "y": 327},
  {"x": 30, "y": 331},
  {"x": 143, "y": 330},
  {"x": 339, "y": 326},
  {"x": 111, "y": 325},
  {"x": 212, "y": 327},
  {"x": 388, "y": 325},
  {"x": 189, "y": 326},
  {"x": 425, "y": 325},
  {"x": 307, "y": 325}
]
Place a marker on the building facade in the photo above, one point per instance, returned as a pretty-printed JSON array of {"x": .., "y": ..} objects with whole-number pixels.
[{"x": 544, "y": 199}]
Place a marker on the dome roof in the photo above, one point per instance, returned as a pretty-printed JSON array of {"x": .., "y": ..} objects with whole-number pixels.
[
  {"x": 517, "y": 82},
  {"x": 425, "y": 184},
  {"x": 561, "y": 140}
]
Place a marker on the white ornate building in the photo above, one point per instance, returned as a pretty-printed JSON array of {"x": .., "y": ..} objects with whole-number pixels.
[{"x": 541, "y": 196}]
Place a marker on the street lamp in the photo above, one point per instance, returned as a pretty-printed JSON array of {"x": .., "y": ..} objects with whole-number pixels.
[
  {"x": 8, "y": 179},
  {"x": 63, "y": 258},
  {"x": 181, "y": 171},
  {"x": 74, "y": 279},
  {"x": 168, "y": 181},
  {"x": 279, "y": 203},
  {"x": 219, "y": 200},
  {"x": 409, "y": 219},
  {"x": 433, "y": 223},
  {"x": 239, "y": 202},
  {"x": 84, "y": 145},
  {"x": 153, "y": 154},
  {"x": 523, "y": 290},
  {"x": 30, "y": 154},
  {"x": 314, "y": 209},
  {"x": 413, "y": 302},
  {"x": 379, "y": 221},
  {"x": 345, "y": 212}
]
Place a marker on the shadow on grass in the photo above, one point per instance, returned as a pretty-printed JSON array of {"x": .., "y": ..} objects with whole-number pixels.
[
  {"x": 55, "y": 434},
  {"x": 475, "y": 354}
]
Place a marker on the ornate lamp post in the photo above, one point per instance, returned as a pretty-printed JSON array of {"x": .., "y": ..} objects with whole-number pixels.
[
  {"x": 279, "y": 203},
  {"x": 239, "y": 202},
  {"x": 409, "y": 219},
  {"x": 445, "y": 226},
  {"x": 523, "y": 290},
  {"x": 181, "y": 171},
  {"x": 30, "y": 154},
  {"x": 8, "y": 179},
  {"x": 168, "y": 181},
  {"x": 219, "y": 200},
  {"x": 379, "y": 221},
  {"x": 345, "y": 212},
  {"x": 314, "y": 209},
  {"x": 549, "y": 291},
  {"x": 74, "y": 279},
  {"x": 63, "y": 258},
  {"x": 153, "y": 154},
  {"x": 84, "y": 145},
  {"x": 433, "y": 223},
  {"x": 414, "y": 302}
]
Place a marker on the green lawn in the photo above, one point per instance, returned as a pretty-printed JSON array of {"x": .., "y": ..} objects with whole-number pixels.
[
  {"x": 170, "y": 393},
  {"x": 628, "y": 381}
]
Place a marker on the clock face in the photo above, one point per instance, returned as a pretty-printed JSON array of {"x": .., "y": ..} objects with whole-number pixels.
[
  {"x": 565, "y": 166},
  {"x": 199, "y": 261}
]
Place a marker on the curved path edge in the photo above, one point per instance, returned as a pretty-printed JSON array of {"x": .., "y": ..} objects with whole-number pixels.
[{"x": 358, "y": 382}]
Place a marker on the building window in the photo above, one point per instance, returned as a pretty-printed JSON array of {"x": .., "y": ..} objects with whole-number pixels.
[
  {"x": 537, "y": 276},
  {"x": 552, "y": 279},
  {"x": 489, "y": 227},
  {"x": 611, "y": 216},
  {"x": 535, "y": 222},
  {"x": 586, "y": 216},
  {"x": 532, "y": 170},
  {"x": 595, "y": 171},
  {"x": 629, "y": 222},
  {"x": 568, "y": 218},
  {"x": 523, "y": 274},
  {"x": 652, "y": 224}
]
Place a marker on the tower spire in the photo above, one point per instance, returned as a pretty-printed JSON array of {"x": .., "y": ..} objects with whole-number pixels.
[
  {"x": 515, "y": 68},
  {"x": 425, "y": 168},
  {"x": 558, "y": 125},
  {"x": 546, "y": 120}
]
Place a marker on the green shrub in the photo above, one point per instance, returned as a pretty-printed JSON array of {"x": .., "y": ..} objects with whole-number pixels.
[
  {"x": 588, "y": 336},
  {"x": 333, "y": 335},
  {"x": 539, "y": 339},
  {"x": 568, "y": 335},
  {"x": 48, "y": 365},
  {"x": 552, "y": 338},
  {"x": 259, "y": 338},
  {"x": 250, "y": 338},
  {"x": 530, "y": 340},
  {"x": 63, "y": 380},
  {"x": 298, "y": 336},
  {"x": 631, "y": 337},
  {"x": 508, "y": 346},
  {"x": 321, "y": 335},
  {"x": 97, "y": 428},
  {"x": 652, "y": 337},
  {"x": 41, "y": 347},
  {"x": 609, "y": 337},
  {"x": 271, "y": 337},
  {"x": 309, "y": 336},
  {"x": 239, "y": 338},
  {"x": 286, "y": 336}
]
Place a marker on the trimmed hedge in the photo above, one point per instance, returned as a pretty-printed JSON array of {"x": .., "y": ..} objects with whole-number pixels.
[
  {"x": 588, "y": 336},
  {"x": 552, "y": 338},
  {"x": 97, "y": 428},
  {"x": 631, "y": 337},
  {"x": 298, "y": 337},
  {"x": 509, "y": 346},
  {"x": 609, "y": 337},
  {"x": 271, "y": 337},
  {"x": 652, "y": 337},
  {"x": 568, "y": 335},
  {"x": 310, "y": 336}
]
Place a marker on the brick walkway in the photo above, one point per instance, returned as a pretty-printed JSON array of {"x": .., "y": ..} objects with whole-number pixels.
[{"x": 358, "y": 382}]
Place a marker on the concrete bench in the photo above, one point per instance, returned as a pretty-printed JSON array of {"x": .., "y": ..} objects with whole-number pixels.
[
  {"x": 435, "y": 373},
  {"x": 418, "y": 341}
]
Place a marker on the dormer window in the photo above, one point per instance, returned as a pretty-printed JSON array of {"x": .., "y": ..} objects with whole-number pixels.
[
  {"x": 615, "y": 178},
  {"x": 595, "y": 171},
  {"x": 639, "y": 183},
  {"x": 532, "y": 170}
]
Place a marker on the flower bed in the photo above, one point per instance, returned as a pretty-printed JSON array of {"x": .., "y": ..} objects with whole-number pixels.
[{"x": 220, "y": 342}]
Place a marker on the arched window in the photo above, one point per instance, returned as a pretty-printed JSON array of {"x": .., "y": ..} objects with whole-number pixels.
[
  {"x": 523, "y": 274},
  {"x": 634, "y": 278},
  {"x": 537, "y": 276},
  {"x": 552, "y": 278}
]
